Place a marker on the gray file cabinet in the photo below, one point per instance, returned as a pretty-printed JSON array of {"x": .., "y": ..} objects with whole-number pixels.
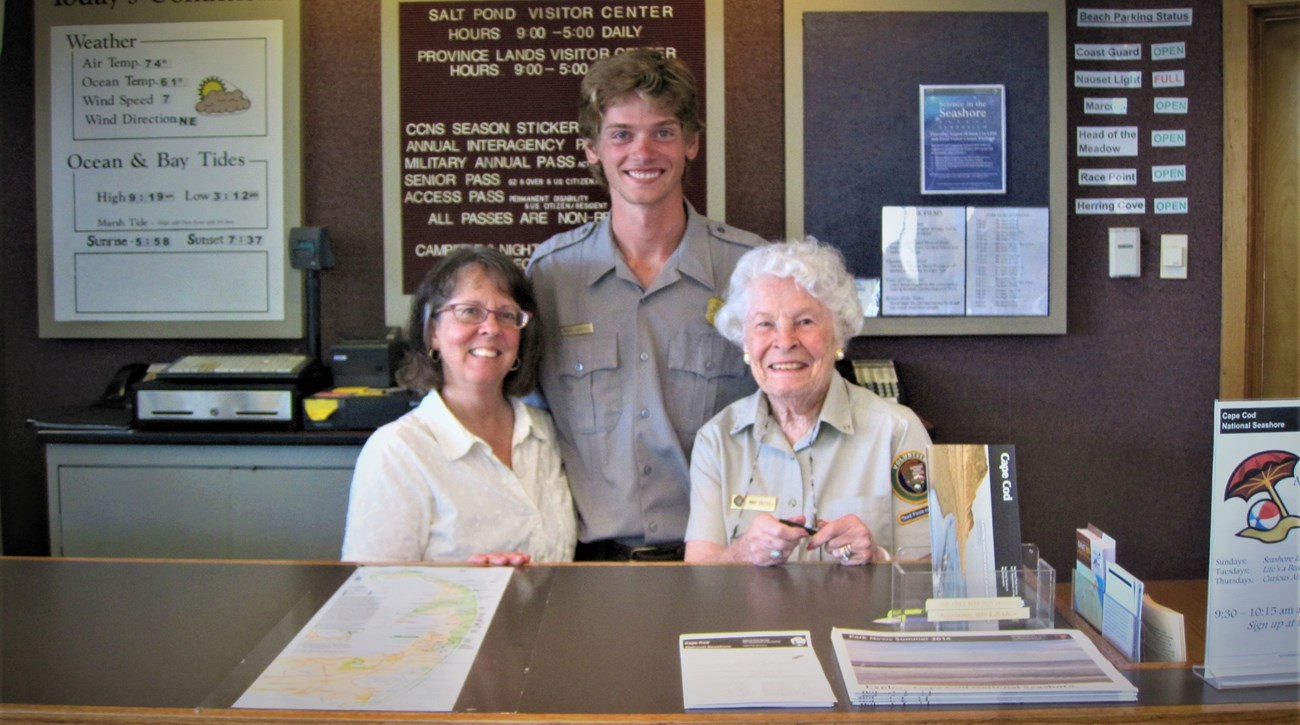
[{"x": 234, "y": 500}]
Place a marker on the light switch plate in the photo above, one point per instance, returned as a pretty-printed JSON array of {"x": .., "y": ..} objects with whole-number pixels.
[
  {"x": 1173, "y": 256},
  {"x": 1125, "y": 252}
]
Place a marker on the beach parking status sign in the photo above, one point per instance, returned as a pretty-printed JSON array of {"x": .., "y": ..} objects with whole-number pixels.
[{"x": 1253, "y": 614}]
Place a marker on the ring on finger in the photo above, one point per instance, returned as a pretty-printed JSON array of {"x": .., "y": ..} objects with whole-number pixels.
[
  {"x": 846, "y": 553},
  {"x": 775, "y": 554}
]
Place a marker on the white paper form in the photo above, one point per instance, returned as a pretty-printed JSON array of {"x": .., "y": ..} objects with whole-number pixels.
[
  {"x": 1121, "y": 611},
  {"x": 923, "y": 260},
  {"x": 752, "y": 669},
  {"x": 391, "y": 638},
  {"x": 1006, "y": 261}
]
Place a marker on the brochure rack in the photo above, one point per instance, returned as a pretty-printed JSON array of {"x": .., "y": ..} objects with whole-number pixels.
[{"x": 914, "y": 581}]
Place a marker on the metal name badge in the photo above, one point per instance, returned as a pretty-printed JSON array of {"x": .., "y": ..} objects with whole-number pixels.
[
  {"x": 753, "y": 503},
  {"x": 585, "y": 328}
]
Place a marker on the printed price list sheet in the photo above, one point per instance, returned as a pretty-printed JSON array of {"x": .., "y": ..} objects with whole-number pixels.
[{"x": 483, "y": 146}]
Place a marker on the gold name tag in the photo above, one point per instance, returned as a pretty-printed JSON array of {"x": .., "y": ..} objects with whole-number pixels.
[
  {"x": 753, "y": 503},
  {"x": 585, "y": 328}
]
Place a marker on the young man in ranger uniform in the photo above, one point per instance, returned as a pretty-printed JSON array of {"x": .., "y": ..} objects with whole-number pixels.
[{"x": 632, "y": 366}]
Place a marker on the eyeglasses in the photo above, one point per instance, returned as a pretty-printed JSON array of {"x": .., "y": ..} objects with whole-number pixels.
[{"x": 469, "y": 314}]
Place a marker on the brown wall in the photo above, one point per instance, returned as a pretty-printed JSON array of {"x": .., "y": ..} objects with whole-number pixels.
[{"x": 1111, "y": 421}]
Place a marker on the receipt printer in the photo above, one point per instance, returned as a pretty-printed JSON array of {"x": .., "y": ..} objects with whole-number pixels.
[{"x": 367, "y": 359}]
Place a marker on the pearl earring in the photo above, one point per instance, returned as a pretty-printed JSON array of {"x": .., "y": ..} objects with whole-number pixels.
[
  {"x": 746, "y": 358},
  {"x": 839, "y": 354}
]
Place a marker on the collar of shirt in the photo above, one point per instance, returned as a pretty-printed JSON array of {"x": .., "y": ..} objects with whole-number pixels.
[
  {"x": 452, "y": 436},
  {"x": 835, "y": 412},
  {"x": 691, "y": 258}
]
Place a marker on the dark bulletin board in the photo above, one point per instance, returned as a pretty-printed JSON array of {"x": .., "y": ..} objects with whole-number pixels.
[{"x": 853, "y": 73}]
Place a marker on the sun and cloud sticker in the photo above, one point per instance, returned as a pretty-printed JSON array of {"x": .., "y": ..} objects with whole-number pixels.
[
  {"x": 1263, "y": 480},
  {"x": 218, "y": 97}
]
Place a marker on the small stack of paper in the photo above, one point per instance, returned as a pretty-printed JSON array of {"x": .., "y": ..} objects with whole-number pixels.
[
  {"x": 752, "y": 669},
  {"x": 939, "y": 668},
  {"x": 1121, "y": 611},
  {"x": 972, "y": 609}
]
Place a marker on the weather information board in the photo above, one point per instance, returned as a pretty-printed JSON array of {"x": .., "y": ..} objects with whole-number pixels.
[
  {"x": 167, "y": 171},
  {"x": 484, "y": 147},
  {"x": 1253, "y": 617}
]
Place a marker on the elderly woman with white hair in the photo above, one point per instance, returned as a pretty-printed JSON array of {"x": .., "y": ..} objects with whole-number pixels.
[{"x": 809, "y": 467}]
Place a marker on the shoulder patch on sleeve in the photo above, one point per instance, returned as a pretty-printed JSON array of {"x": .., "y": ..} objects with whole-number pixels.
[{"x": 911, "y": 483}]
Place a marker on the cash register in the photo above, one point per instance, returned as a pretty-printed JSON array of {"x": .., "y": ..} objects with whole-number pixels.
[{"x": 226, "y": 391}]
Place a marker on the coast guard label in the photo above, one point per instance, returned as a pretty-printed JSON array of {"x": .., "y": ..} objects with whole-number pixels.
[{"x": 1088, "y": 51}]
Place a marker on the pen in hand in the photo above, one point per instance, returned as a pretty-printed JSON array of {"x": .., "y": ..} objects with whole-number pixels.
[{"x": 812, "y": 530}]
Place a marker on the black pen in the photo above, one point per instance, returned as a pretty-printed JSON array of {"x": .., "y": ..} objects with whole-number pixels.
[{"x": 809, "y": 529}]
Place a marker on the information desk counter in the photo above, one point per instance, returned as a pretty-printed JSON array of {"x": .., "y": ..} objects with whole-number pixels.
[{"x": 134, "y": 641}]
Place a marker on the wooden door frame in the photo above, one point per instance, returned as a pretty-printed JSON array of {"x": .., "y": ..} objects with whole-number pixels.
[{"x": 1238, "y": 350}]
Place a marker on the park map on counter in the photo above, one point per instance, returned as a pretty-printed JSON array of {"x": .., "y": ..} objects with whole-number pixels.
[{"x": 391, "y": 638}]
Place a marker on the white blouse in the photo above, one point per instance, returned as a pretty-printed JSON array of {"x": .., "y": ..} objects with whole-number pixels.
[{"x": 425, "y": 488}]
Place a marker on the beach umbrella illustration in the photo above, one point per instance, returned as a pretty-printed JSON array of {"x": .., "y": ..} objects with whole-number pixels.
[{"x": 1260, "y": 473}]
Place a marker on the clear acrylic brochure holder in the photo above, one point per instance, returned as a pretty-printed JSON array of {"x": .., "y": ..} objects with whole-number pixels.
[{"x": 914, "y": 581}]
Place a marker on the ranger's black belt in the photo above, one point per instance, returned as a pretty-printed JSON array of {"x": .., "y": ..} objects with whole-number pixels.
[{"x": 610, "y": 550}]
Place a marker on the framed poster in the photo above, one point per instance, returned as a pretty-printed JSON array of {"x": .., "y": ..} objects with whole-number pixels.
[
  {"x": 963, "y": 140},
  {"x": 858, "y": 146},
  {"x": 168, "y": 171},
  {"x": 481, "y": 140}
]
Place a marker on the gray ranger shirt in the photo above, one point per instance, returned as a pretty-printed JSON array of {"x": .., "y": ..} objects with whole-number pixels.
[{"x": 630, "y": 374}]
